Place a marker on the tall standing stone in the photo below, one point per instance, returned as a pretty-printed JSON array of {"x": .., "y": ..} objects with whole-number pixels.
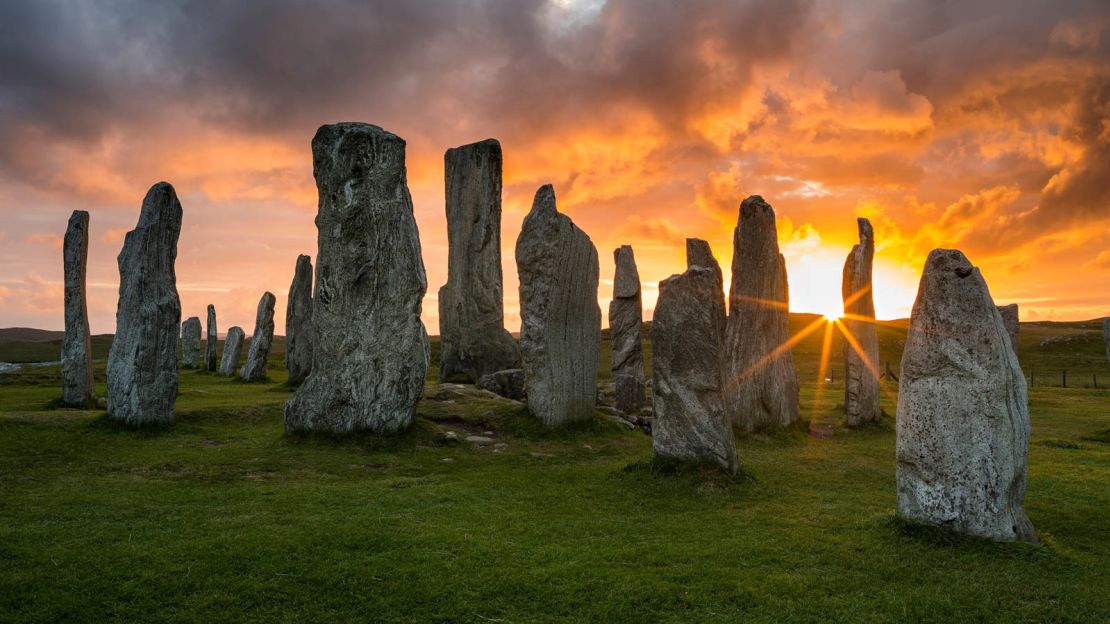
[
  {"x": 688, "y": 350},
  {"x": 77, "y": 383},
  {"x": 211, "y": 341},
  {"x": 298, "y": 323},
  {"x": 963, "y": 416},
  {"x": 762, "y": 384},
  {"x": 261, "y": 340},
  {"x": 1010, "y": 320},
  {"x": 473, "y": 338},
  {"x": 626, "y": 317},
  {"x": 142, "y": 364},
  {"x": 190, "y": 342},
  {"x": 233, "y": 350},
  {"x": 861, "y": 346},
  {"x": 370, "y": 354},
  {"x": 560, "y": 329}
]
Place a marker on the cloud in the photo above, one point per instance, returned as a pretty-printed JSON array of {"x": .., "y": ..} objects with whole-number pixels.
[{"x": 657, "y": 230}]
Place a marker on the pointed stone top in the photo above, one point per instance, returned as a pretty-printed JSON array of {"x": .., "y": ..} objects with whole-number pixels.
[
  {"x": 698, "y": 253},
  {"x": 865, "y": 231},
  {"x": 626, "y": 281},
  {"x": 160, "y": 204},
  {"x": 544, "y": 203},
  {"x": 211, "y": 309},
  {"x": 757, "y": 221}
]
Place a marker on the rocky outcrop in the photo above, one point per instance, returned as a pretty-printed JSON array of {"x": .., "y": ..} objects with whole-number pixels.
[
  {"x": 77, "y": 383},
  {"x": 298, "y": 323},
  {"x": 560, "y": 332},
  {"x": 508, "y": 383},
  {"x": 261, "y": 340},
  {"x": 762, "y": 384},
  {"x": 233, "y": 350},
  {"x": 370, "y": 349},
  {"x": 861, "y": 343},
  {"x": 142, "y": 364},
  {"x": 963, "y": 420},
  {"x": 190, "y": 342},
  {"x": 473, "y": 338},
  {"x": 1010, "y": 321},
  {"x": 626, "y": 317},
  {"x": 690, "y": 421},
  {"x": 211, "y": 341}
]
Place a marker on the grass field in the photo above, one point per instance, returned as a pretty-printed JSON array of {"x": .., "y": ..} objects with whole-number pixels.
[{"x": 222, "y": 518}]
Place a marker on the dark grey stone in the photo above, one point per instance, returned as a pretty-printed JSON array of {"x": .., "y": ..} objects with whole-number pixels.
[
  {"x": 626, "y": 318},
  {"x": 861, "y": 353},
  {"x": 190, "y": 342},
  {"x": 77, "y": 382},
  {"x": 508, "y": 383},
  {"x": 211, "y": 363},
  {"x": 233, "y": 350},
  {"x": 261, "y": 340},
  {"x": 298, "y": 323}
]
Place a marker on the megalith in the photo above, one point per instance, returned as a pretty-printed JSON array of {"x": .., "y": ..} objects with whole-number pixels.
[
  {"x": 211, "y": 341},
  {"x": 560, "y": 329},
  {"x": 370, "y": 349},
  {"x": 233, "y": 350},
  {"x": 142, "y": 364},
  {"x": 1010, "y": 320},
  {"x": 762, "y": 386},
  {"x": 690, "y": 420},
  {"x": 963, "y": 418},
  {"x": 861, "y": 341},
  {"x": 77, "y": 382},
  {"x": 190, "y": 342},
  {"x": 261, "y": 340},
  {"x": 473, "y": 338},
  {"x": 298, "y": 323},
  {"x": 626, "y": 317}
]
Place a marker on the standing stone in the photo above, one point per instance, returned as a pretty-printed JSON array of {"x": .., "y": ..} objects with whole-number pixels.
[
  {"x": 1010, "y": 320},
  {"x": 963, "y": 417},
  {"x": 77, "y": 383},
  {"x": 233, "y": 349},
  {"x": 142, "y": 364},
  {"x": 190, "y": 342},
  {"x": 211, "y": 341},
  {"x": 1106, "y": 335},
  {"x": 626, "y": 317},
  {"x": 560, "y": 329},
  {"x": 472, "y": 331},
  {"x": 762, "y": 385},
  {"x": 298, "y": 323},
  {"x": 261, "y": 340},
  {"x": 370, "y": 350},
  {"x": 690, "y": 420},
  {"x": 861, "y": 347}
]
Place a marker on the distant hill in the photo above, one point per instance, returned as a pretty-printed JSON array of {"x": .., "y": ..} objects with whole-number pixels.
[{"x": 29, "y": 334}]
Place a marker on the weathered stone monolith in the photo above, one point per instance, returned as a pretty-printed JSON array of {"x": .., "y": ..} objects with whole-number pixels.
[
  {"x": 261, "y": 340},
  {"x": 298, "y": 323},
  {"x": 190, "y": 342},
  {"x": 861, "y": 346},
  {"x": 626, "y": 317},
  {"x": 1010, "y": 320},
  {"x": 77, "y": 383},
  {"x": 761, "y": 384},
  {"x": 508, "y": 383},
  {"x": 370, "y": 349},
  {"x": 560, "y": 329},
  {"x": 211, "y": 363},
  {"x": 1106, "y": 335},
  {"x": 142, "y": 364},
  {"x": 233, "y": 350},
  {"x": 963, "y": 416},
  {"x": 472, "y": 331},
  {"x": 690, "y": 421}
]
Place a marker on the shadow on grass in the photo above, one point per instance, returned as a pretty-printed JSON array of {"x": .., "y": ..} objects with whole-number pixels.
[
  {"x": 689, "y": 477},
  {"x": 795, "y": 433},
  {"x": 420, "y": 433},
  {"x": 105, "y": 423},
  {"x": 944, "y": 537},
  {"x": 1103, "y": 436}
]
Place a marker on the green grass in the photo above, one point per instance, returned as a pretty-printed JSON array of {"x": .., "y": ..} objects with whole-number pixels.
[{"x": 222, "y": 518}]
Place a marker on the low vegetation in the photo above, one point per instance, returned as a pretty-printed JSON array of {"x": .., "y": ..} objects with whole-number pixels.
[{"x": 222, "y": 518}]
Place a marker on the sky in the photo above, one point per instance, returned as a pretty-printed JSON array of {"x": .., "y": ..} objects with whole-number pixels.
[{"x": 977, "y": 125}]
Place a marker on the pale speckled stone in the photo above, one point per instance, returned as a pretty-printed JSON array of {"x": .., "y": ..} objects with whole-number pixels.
[
  {"x": 233, "y": 350},
  {"x": 1011, "y": 321},
  {"x": 261, "y": 340},
  {"x": 626, "y": 318},
  {"x": 963, "y": 418},
  {"x": 190, "y": 342}
]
